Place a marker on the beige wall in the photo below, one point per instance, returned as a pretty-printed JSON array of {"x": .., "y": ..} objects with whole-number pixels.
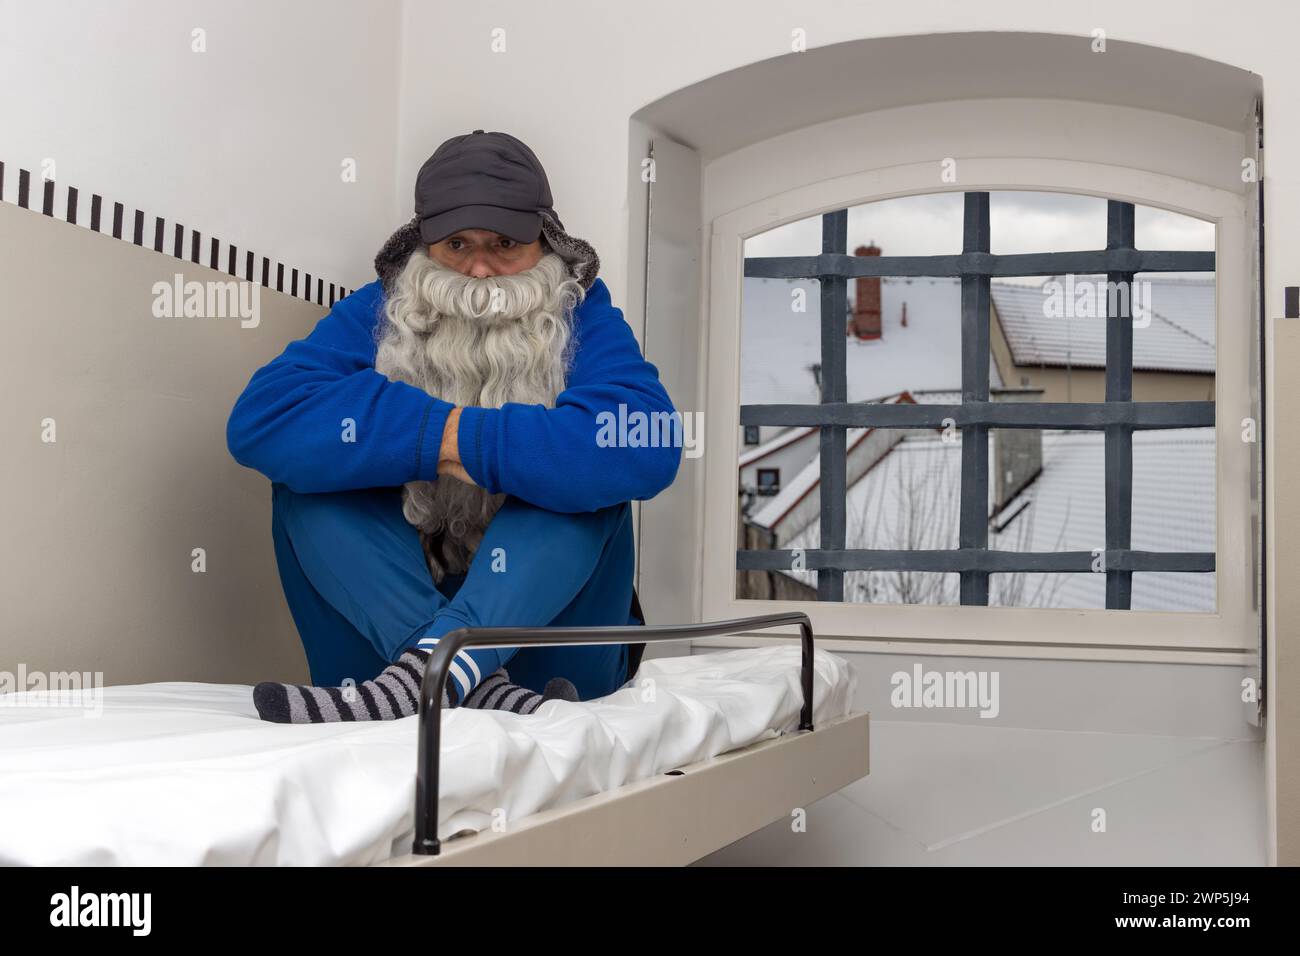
[{"x": 99, "y": 526}]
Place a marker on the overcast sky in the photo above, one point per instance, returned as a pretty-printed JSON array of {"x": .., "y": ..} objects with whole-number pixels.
[{"x": 1019, "y": 222}]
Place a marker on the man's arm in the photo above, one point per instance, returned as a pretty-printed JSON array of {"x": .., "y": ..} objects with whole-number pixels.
[
  {"x": 553, "y": 457},
  {"x": 320, "y": 418},
  {"x": 449, "y": 462}
]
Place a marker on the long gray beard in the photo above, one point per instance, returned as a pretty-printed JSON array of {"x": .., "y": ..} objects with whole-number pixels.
[{"x": 480, "y": 343}]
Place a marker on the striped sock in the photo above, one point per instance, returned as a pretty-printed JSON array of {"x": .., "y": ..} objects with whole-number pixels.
[
  {"x": 497, "y": 693},
  {"x": 394, "y": 694}
]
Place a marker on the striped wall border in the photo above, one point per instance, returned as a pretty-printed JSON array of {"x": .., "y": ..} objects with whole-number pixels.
[{"x": 114, "y": 221}]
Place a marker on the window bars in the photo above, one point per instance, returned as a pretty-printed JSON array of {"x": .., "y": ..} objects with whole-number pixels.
[{"x": 1118, "y": 416}]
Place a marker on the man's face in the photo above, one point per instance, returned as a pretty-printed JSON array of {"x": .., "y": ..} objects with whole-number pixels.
[{"x": 480, "y": 253}]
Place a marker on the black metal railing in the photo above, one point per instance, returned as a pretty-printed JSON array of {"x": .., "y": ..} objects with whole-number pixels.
[
  {"x": 1118, "y": 416},
  {"x": 437, "y": 667}
]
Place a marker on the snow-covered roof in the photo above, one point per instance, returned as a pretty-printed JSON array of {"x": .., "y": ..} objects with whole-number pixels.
[
  {"x": 911, "y": 499},
  {"x": 1179, "y": 338},
  {"x": 793, "y": 490},
  {"x": 759, "y": 452},
  {"x": 1173, "y": 510},
  {"x": 778, "y": 346}
]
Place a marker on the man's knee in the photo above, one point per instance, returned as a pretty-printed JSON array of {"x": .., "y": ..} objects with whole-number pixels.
[
  {"x": 592, "y": 527},
  {"x": 300, "y": 515},
  {"x": 331, "y": 515}
]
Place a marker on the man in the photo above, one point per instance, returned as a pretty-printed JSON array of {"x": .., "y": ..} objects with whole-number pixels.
[{"x": 433, "y": 453}]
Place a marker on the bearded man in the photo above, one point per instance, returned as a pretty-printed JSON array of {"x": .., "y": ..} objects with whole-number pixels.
[{"x": 433, "y": 453}]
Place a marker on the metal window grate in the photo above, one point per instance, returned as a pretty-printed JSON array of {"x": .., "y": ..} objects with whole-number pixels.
[{"x": 1118, "y": 416}]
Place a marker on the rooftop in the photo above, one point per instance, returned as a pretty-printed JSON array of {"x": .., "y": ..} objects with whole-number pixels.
[
  {"x": 910, "y": 499},
  {"x": 1179, "y": 336},
  {"x": 779, "y": 347}
]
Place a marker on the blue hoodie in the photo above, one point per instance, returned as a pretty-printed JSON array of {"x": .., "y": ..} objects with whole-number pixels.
[{"x": 292, "y": 421}]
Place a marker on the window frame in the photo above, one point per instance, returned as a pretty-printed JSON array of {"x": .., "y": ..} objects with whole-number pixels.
[
  {"x": 773, "y": 489},
  {"x": 1229, "y": 628}
]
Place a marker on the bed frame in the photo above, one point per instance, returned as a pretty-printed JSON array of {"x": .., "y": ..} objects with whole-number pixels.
[{"x": 670, "y": 819}]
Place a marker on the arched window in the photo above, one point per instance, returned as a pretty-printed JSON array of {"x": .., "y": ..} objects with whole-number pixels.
[
  {"x": 965, "y": 473},
  {"x": 960, "y": 128}
]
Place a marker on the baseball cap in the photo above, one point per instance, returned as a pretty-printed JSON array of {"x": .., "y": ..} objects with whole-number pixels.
[{"x": 482, "y": 180}]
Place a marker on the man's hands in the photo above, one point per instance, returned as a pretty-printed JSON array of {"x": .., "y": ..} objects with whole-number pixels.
[{"x": 449, "y": 454}]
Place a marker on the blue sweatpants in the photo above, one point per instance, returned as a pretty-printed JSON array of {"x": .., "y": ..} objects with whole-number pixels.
[{"x": 360, "y": 593}]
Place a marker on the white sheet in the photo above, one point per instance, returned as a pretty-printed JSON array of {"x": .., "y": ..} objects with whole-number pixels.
[{"x": 186, "y": 773}]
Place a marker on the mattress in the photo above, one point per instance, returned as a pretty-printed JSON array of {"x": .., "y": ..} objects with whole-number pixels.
[{"x": 186, "y": 773}]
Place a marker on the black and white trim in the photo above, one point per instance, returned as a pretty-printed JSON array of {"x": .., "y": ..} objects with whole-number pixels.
[{"x": 322, "y": 294}]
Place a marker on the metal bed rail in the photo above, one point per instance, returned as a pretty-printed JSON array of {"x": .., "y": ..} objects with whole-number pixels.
[{"x": 438, "y": 666}]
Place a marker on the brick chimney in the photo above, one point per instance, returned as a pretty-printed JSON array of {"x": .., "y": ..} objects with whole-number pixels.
[{"x": 865, "y": 321}]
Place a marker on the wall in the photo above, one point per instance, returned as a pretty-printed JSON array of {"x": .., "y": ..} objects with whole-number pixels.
[
  {"x": 96, "y": 563},
  {"x": 244, "y": 142},
  {"x": 1089, "y": 384},
  {"x": 1283, "y": 750}
]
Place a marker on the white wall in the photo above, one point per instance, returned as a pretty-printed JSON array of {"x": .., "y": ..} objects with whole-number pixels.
[
  {"x": 243, "y": 142},
  {"x": 576, "y": 71},
  {"x": 246, "y": 140},
  {"x": 561, "y": 86}
]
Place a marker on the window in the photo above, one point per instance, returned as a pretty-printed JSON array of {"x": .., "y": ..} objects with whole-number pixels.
[
  {"x": 751, "y": 435},
  {"x": 1016, "y": 620},
  {"x": 955, "y": 522}
]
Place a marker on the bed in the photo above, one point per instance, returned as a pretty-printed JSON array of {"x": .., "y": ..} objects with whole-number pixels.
[{"x": 694, "y": 753}]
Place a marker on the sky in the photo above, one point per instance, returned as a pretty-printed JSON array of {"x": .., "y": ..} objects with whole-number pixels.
[{"x": 1018, "y": 222}]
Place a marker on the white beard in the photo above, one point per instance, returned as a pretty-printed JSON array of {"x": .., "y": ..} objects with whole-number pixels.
[{"x": 474, "y": 343}]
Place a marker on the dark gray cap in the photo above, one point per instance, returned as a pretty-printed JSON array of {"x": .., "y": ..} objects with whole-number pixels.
[{"x": 482, "y": 181}]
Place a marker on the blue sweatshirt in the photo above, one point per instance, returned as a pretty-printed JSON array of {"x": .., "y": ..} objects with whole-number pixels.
[{"x": 292, "y": 420}]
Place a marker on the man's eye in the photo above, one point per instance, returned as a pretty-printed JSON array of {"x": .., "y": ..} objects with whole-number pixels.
[{"x": 507, "y": 243}]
